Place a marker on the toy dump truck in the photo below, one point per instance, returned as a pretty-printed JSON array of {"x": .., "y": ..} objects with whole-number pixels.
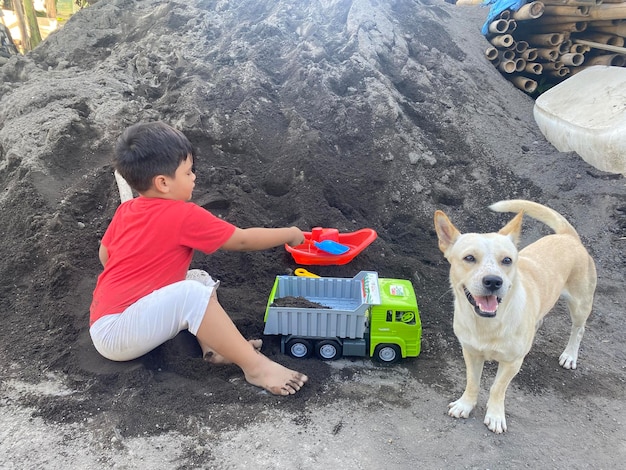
[{"x": 333, "y": 317}]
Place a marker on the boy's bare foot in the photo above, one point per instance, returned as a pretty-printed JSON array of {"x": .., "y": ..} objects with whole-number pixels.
[
  {"x": 274, "y": 377},
  {"x": 215, "y": 358}
]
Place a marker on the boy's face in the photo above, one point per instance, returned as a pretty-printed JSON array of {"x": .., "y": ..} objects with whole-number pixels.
[{"x": 181, "y": 186}]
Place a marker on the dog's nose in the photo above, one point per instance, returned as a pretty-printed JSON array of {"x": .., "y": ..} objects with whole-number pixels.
[{"x": 492, "y": 283}]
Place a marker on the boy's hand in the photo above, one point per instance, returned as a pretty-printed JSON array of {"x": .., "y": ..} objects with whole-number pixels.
[{"x": 298, "y": 237}]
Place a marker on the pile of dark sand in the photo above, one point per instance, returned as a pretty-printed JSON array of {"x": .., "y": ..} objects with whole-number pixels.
[{"x": 344, "y": 114}]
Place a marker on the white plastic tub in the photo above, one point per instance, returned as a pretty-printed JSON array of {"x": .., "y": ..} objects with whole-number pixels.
[{"x": 586, "y": 114}]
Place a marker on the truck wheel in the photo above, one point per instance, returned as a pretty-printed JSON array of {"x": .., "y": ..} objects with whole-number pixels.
[
  {"x": 328, "y": 350},
  {"x": 387, "y": 353},
  {"x": 299, "y": 348}
]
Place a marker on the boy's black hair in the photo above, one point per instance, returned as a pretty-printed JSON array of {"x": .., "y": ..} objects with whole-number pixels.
[{"x": 148, "y": 149}]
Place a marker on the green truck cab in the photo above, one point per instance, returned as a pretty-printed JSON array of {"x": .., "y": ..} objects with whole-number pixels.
[{"x": 334, "y": 317}]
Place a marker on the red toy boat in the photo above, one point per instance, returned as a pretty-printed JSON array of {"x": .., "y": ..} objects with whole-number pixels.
[{"x": 308, "y": 253}]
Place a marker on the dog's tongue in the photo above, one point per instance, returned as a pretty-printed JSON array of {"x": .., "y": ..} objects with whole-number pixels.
[{"x": 487, "y": 303}]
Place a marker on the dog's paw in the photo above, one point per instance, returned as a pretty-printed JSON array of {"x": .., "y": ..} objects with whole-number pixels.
[
  {"x": 495, "y": 422},
  {"x": 567, "y": 361},
  {"x": 460, "y": 408}
]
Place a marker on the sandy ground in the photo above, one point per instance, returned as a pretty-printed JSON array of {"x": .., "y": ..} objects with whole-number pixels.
[{"x": 345, "y": 114}]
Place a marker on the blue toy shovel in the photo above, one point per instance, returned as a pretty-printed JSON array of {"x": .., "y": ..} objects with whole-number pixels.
[{"x": 330, "y": 246}]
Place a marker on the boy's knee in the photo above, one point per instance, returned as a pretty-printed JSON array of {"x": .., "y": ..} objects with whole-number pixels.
[{"x": 202, "y": 277}]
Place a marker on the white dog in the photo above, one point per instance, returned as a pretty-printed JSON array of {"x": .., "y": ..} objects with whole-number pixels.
[{"x": 501, "y": 296}]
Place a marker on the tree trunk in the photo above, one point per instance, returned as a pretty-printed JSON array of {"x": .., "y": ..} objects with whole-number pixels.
[
  {"x": 31, "y": 20},
  {"x": 19, "y": 12},
  {"x": 51, "y": 8}
]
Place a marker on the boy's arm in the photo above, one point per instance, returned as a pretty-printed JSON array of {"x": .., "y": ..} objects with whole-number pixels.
[
  {"x": 258, "y": 238},
  {"x": 103, "y": 254}
]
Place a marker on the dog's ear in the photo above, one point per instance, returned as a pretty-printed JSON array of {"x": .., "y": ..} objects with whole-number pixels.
[
  {"x": 514, "y": 228},
  {"x": 446, "y": 232}
]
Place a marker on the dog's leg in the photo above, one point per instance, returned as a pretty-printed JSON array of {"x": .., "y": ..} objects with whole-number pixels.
[
  {"x": 462, "y": 407},
  {"x": 569, "y": 357},
  {"x": 495, "y": 418},
  {"x": 579, "y": 311}
]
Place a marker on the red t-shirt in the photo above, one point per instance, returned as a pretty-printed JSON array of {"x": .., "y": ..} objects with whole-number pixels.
[{"x": 150, "y": 243}]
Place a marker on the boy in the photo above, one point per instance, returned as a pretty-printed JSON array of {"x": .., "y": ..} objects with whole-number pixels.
[{"x": 142, "y": 298}]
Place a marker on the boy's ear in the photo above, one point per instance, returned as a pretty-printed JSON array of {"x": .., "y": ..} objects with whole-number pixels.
[{"x": 160, "y": 184}]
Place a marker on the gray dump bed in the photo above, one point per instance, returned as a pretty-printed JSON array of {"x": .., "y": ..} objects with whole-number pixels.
[{"x": 345, "y": 302}]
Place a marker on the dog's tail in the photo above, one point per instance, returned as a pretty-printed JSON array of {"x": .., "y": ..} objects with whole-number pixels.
[{"x": 544, "y": 214}]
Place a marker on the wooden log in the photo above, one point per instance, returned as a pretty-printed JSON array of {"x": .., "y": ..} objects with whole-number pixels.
[
  {"x": 498, "y": 27},
  {"x": 588, "y": 3},
  {"x": 506, "y": 54},
  {"x": 492, "y": 53},
  {"x": 614, "y": 60},
  {"x": 618, "y": 30},
  {"x": 530, "y": 11},
  {"x": 502, "y": 41},
  {"x": 534, "y": 68},
  {"x": 609, "y": 39},
  {"x": 524, "y": 83},
  {"x": 615, "y": 11},
  {"x": 599, "y": 45},
  {"x": 507, "y": 66},
  {"x": 566, "y": 11},
  {"x": 530, "y": 55},
  {"x": 559, "y": 73},
  {"x": 560, "y": 19},
  {"x": 572, "y": 59},
  {"x": 549, "y": 66},
  {"x": 565, "y": 46},
  {"x": 575, "y": 70},
  {"x": 571, "y": 27},
  {"x": 579, "y": 48},
  {"x": 546, "y": 54},
  {"x": 548, "y": 39},
  {"x": 520, "y": 46},
  {"x": 601, "y": 23}
]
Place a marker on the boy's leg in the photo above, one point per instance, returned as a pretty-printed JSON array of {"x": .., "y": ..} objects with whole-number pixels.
[
  {"x": 218, "y": 333},
  {"x": 211, "y": 356},
  {"x": 151, "y": 321}
]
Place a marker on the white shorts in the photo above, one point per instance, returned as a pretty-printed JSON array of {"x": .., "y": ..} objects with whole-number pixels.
[{"x": 154, "y": 319}]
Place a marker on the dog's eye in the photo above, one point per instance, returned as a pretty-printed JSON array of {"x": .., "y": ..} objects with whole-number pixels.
[
  {"x": 507, "y": 261},
  {"x": 469, "y": 259}
]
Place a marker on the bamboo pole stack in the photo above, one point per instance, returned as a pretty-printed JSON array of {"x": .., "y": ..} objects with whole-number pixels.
[{"x": 549, "y": 40}]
